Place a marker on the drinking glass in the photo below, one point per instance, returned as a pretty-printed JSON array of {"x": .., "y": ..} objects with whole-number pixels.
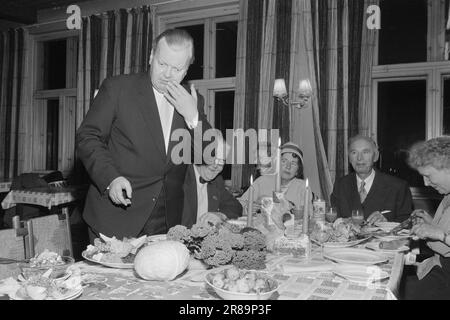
[
  {"x": 357, "y": 217},
  {"x": 331, "y": 214}
]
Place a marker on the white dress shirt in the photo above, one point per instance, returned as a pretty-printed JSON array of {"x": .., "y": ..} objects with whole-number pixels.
[
  {"x": 165, "y": 110},
  {"x": 202, "y": 195},
  {"x": 368, "y": 181}
]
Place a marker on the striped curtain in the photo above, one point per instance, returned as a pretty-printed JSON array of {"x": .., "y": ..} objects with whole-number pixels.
[
  {"x": 13, "y": 105},
  {"x": 262, "y": 53},
  {"x": 338, "y": 26},
  {"x": 113, "y": 43}
]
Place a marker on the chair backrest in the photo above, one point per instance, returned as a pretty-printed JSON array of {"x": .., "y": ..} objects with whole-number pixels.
[
  {"x": 12, "y": 246},
  {"x": 50, "y": 232}
]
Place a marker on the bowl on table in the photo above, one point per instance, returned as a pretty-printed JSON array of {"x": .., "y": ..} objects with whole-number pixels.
[
  {"x": 59, "y": 268},
  {"x": 229, "y": 290}
]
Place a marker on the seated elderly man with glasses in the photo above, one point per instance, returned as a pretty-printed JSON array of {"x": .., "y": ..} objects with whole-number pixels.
[{"x": 205, "y": 197}]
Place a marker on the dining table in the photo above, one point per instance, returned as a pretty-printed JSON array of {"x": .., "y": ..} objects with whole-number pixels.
[
  {"x": 51, "y": 196},
  {"x": 310, "y": 278}
]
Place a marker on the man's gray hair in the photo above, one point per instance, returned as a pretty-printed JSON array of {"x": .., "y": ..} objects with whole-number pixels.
[
  {"x": 176, "y": 36},
  {"x": 365, "y": 138},
  {"x": 434, "y": 152}
]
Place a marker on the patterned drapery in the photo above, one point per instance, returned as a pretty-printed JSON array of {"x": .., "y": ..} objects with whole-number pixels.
[{"x": 13, "y": 104}]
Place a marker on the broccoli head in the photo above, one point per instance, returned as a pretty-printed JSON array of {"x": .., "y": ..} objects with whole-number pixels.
[
  {"x": 179, "y": 233},
  {"x": 249, "y": 259}
]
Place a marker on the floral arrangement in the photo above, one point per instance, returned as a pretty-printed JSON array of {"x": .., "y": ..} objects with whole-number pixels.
[{"x": 223, "y": 244}]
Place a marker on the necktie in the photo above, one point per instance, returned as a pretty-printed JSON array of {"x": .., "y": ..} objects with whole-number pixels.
[{"x": 362, "y": 192}]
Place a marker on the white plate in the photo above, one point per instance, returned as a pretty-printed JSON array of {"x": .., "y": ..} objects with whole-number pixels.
[
  {"x": 361, "y": 274},
  {"x": 386, "y": 226},
  {"x": 156, "y": 238},
  {"x": 343, "y": 244},
  {"x": 116, "y": 265},
  {"x": 354, "y": 256},
  {"x": 392, "y": 237},
  {"x": 376, "y": 246},
  {"x": 72, "y": 294}
]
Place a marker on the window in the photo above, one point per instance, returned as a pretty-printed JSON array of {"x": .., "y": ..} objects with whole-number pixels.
[
  {"x": 214, "y": 29},
  {"x": 411, "y": 87},
  {"x": 398, "y": 101},
  {"x": 446, "y": 106},
  {"x": 403, "y": 36},
  {"x": 55, "y": 104}
]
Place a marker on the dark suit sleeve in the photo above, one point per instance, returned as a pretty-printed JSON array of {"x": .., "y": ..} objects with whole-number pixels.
[
  {"x": 93, "y": 135},
  {"x": 403, "y": 203},
  {"x": 335, "y": 199},
  {"x": 228, "y": 204}
]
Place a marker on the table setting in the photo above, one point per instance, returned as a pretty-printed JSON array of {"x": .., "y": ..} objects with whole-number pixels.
[{"x": 186, "y": 269}]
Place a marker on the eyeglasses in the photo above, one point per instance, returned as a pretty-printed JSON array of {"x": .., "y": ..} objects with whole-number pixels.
[{"x": 284, "y": 162}]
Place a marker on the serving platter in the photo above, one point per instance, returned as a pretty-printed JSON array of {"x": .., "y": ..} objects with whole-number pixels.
[
  {"x": 116, "y": 265},
  {"x": 70, "y": 295},
  {"x": 343, "y": 244},
  {"x": 354, "y": 256}
]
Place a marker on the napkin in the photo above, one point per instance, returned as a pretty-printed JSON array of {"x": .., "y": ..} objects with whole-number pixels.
[{"x": 9, "y": 286}]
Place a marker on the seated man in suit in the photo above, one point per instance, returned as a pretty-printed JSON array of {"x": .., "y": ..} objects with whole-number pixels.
[
  {"x": 206, "y": 198},
  {"x": 368, "y": 189}
]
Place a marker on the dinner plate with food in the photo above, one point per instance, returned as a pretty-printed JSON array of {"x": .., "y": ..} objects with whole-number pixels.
[
  {"x": 114, "y": 253},
  {"x": 341, "y": 234},
  {"x": 43, "y": 287}
]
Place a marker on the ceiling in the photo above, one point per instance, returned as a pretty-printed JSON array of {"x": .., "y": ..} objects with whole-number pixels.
[{"x": 25, "y": 11}]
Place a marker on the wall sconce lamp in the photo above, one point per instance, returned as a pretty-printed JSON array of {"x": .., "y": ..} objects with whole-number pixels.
[{"x": 304, "y": 93}]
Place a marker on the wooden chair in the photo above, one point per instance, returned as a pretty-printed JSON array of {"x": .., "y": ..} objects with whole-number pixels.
[
  {"x": 50, "y": 232},
  {"x": 13, "y": 246}
]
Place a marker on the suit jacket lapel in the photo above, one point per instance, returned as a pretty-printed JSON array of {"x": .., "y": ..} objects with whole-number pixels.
[
  {"x": 375, "y": 191},
  {"x": 149, "y": 109}
]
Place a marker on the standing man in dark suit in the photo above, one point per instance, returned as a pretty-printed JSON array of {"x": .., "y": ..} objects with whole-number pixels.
[
  {"x": 368, "y": 189},
  {"x": 124, "y": 143},
  {"x": 206, "y": 198}
]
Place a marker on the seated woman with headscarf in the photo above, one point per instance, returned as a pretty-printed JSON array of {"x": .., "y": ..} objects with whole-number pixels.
[
  {"x": 292, "y": 184},
  {"x": 432, "y": 160}
]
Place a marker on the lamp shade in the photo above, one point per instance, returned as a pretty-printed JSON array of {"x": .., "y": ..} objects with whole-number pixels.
[
  {"x": 279, "y": 88},
  {"x": 305, "y": 87}
]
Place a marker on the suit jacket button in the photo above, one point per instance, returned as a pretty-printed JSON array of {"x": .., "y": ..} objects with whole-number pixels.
[{"x": 153, "y": 199}]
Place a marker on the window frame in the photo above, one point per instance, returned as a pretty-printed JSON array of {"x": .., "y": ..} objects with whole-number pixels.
[{"x": 67, "y": 98}]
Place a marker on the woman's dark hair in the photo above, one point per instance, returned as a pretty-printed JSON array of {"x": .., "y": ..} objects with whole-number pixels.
[{"x": 299, "y": 174}]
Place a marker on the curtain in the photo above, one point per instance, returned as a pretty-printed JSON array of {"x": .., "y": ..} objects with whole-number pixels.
[
  {"x": 13, "y": 105},
  {"x": 112, "y": 43},
  {"x": 329, "y": 50},
  {"x": 368, "y": 47},
  {"x": 261, "y": 55},
  {"x": 339, "y": 25},
  {"x": 305, "y": 122}
]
